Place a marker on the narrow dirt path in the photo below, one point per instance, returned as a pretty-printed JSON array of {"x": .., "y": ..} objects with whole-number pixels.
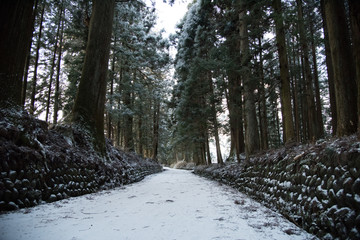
[{"x": 174, "y": 204}]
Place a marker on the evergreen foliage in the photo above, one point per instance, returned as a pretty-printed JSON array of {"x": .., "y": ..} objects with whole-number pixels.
[
  {"x": 264, "y": 73},
  {"x": 292, "y": 103}
]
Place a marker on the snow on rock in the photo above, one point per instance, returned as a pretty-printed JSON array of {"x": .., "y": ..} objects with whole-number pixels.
[
  {"x": 174, "y": 204},
  {"x": 40, "y": 164},
  {"x": 306, "y": 183}
]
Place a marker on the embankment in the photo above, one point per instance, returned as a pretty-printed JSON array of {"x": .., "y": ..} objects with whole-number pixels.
[
  {"x": 315, "y": 186},
  {"x": 38, "y": 164}
]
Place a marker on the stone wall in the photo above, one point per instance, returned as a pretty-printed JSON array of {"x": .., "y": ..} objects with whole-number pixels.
[
  {"x": 36, "y": 182},
  {"x": 41, "y": 165},
  {"x": 317, "y": 187}
]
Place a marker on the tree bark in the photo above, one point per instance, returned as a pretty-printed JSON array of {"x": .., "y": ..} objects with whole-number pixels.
[
  {"x": 294, "y": 90},
  {"x": 118, "y": 121},
  {"x": 304, "y": 102},
  {"x": 140, "y": 135},
  {"x": 88, "y": 111},
  {"x": 112, "y": 79},
  {"x": 28, "y": 58},
  {"x": 50, "y": 83},
  {"x": 128, "y": 116},
  {"x": 15, "y": 31},
  {"x": 52, "y": 67},
  {"x": 252, "y": 142},
  {"x": 156, "y": 122},
  {"x": 330, "y": 71},
  {"x": 207, "y": 149},
  {"x": 26, "y": 73},
  {"x": 343, "y": 65},
  {"x": 235, "y": 106},
  {"x": 57, "y": 82},
  {"x": 285, "y": 94},
  {"x": 319, "y": 120},
  {"x": 354, "y": 6},
  {"x": 311, "y": 113},
  {"x": 262, "y": 102},
  {"x": 215, "y": 122},
  {"x": 34, "y": 80}
]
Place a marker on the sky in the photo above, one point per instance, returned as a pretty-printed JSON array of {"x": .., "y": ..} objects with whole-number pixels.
[{"x": 169, "y": 16}]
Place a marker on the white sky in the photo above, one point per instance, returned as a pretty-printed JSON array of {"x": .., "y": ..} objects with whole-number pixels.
[{"x": 169, "y": 16}]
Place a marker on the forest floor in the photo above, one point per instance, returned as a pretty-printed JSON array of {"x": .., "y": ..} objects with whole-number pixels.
[{"x": 174, "y": 204}]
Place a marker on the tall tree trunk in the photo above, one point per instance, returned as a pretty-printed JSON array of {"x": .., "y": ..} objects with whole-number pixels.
[
  {"x": 15, "y": 31},
  {"x": 203, "y": 152},
  {"x": 277, "y": 125},
  {"x": 118, "y": 133},
  {"x": 53, "y": 66},
  {"x": 215, "y": 122},
  {"x": 252, "y": 143},
  {"x": 128, "y": 116},
  {"x": 89, "y": 105},
  {"x": 140, "y": 135},
  {"x": 118, "y": 122},
  {"x": 57, "y": 82},
  {"x": 235, "y": 113},
  {"x": 319, "y": 119},
  {"x": 294, "y": 90},
  {"x": 50, "y": 83},
  {"x": 354, "y": 6},
  {"x": 58, "y": 32},
  {"x": 311, "y": 113},
  {"x": 262, "y": 102},
  {"x": 285, "y": 94},
  {"x": 112, "y": 78},
  {"x": 232, "y": 153},
  {"x": 343, "y": 65},
  {"x": 156, "y": 123},
  {"x": 109, "y": 118},
  {"x": 202, "y": 123},
  {"x": 217, "y": 143},
  {"x": 28, "y": 58},
  {"x": 25, "y": 78},
  {"x": 207, "y": 149},
  {"x": 34, "y": 80},
  {"x": 304, "y": 102},
  {"x": 294, "y": 87},
  {"x": 330, "y": 72}
]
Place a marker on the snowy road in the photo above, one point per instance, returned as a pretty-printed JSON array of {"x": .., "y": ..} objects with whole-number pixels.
[{"x": 174, "y": 204}]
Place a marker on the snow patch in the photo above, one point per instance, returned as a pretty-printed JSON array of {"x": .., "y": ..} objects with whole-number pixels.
[{"x": 172, "y": 205}]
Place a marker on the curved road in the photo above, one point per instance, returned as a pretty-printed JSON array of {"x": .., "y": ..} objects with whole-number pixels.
[{"x": 174, "y": 204}]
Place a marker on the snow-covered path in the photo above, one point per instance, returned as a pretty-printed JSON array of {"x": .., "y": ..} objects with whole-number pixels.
[{"x": 174, "y": 204}]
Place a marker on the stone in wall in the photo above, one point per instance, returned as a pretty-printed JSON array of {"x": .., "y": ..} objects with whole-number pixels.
[
  {"x": 41, "y": 165},
  {"x": 316, "y": 186}
]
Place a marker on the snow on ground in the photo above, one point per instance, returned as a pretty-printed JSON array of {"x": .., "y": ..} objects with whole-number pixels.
[{"x": 175, "y": 204}]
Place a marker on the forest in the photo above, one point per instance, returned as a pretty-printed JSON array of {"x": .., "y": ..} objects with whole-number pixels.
[
  {"x": 260, "y": 96},
  {"x": 265, "y": 73}
]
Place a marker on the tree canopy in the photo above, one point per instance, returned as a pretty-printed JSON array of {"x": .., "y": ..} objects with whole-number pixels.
[{"x": 264, "y": 73}]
